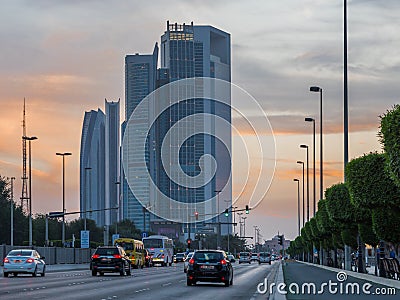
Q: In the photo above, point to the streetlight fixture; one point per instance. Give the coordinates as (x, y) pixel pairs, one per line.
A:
(63, 196)
(244, 226)
(302, 163)
(308, 189)
(29, 139)
(321, 172)
(12, 211)
(314, 202)
(298, 203)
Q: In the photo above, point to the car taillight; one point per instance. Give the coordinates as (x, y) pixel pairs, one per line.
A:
(6, 260)
(147, 257)
(162, 256)
(29, 260)
(191, 261)
(117, 256)
(94, 256)
(223, 262)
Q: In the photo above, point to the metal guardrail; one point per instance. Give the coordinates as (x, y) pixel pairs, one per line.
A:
(54, 255)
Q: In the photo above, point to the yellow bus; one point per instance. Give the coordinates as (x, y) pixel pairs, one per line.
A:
(134, 249)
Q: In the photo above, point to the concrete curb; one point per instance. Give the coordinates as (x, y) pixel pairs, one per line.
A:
(369, 277)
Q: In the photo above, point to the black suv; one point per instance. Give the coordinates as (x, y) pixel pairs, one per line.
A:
(210, 266)
(110, 259)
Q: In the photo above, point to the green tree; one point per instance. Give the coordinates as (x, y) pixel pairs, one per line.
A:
(390, 138)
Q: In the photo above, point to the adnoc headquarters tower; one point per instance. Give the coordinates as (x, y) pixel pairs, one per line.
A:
(187, 51)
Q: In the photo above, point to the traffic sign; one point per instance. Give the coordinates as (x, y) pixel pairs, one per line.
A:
(85, 239)
(144, 234)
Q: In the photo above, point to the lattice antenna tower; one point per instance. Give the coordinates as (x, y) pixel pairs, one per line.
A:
(24, 194)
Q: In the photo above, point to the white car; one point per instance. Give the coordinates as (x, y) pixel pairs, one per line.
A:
(186, 262)
(244, 257)
(24, 261)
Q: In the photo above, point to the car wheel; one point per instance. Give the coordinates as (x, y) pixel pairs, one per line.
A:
(189, 282)
(15, 274)
(231, 282)
(239, 262)
(122, 272)
(5, 274)
(101, 273)
(226, 282)
(129, 272)
(94, 273)
(184, 271)
(43, 272)
(34, 274)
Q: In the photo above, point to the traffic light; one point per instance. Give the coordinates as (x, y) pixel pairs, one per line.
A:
(196, 214)
(247, 209)
(280, 237)
(226, 212)
(189, 241)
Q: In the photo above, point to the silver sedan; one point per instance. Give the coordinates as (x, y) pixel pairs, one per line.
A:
(24, 261)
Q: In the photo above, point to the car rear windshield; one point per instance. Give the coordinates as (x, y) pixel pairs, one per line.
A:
(180, 255)
(126, 245)
(107, 251)
(211, 257)
(244, 254)
(265, 254)
(20, 253)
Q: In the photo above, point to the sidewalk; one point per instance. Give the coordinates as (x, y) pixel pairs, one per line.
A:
(307, 281)
(61, 268)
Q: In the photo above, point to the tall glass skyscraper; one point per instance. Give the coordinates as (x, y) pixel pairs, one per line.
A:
(187, 51)
(140, 81)
(112, 159)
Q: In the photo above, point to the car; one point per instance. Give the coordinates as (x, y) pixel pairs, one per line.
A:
(244, 257)
(148, 258)
(186, 262)
(109, 259)
(231, 258)
(254, 256)
(179, 257)
(209, 266)
(24, 261)
(264, 257)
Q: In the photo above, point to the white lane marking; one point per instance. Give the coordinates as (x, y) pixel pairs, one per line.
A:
(142, 290)
(166, 284)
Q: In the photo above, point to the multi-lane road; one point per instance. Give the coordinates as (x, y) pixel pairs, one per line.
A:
(148, 283)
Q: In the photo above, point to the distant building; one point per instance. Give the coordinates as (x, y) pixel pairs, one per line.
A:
(99, 164)
(273, 244)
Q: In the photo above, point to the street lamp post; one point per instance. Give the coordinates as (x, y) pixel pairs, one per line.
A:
(314, 202)
(219, 224)
(85, 198)
(32, 138)
(298, 204)
(240, 223)
(244, 225)
(63, 191)
(302, 163)
(118, 204)
(12, 211)
(308, 189)
(321, 172)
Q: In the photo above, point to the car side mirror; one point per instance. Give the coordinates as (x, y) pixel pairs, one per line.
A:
(42, 257)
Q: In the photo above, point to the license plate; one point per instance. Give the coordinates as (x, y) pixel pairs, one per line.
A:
(105, 259)
(207, 267)
(17, 261)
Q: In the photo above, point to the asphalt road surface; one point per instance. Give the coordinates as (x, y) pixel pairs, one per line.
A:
(148, 283)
